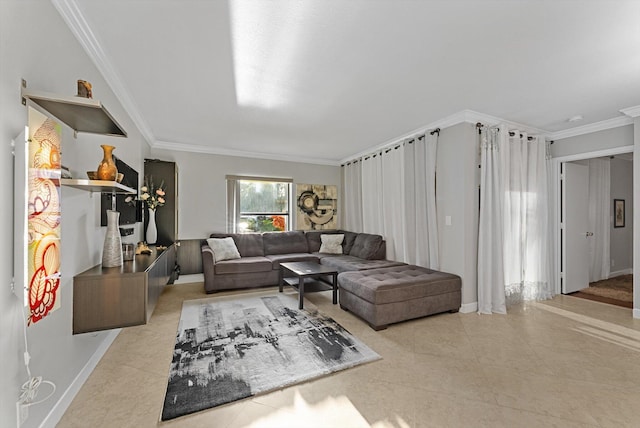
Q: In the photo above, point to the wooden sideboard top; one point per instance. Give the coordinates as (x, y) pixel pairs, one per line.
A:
(140, 264)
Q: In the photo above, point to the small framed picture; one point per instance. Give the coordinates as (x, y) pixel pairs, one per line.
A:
(618, 213)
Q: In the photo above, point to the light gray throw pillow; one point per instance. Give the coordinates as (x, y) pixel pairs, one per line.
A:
(331, 244)
(223, 249)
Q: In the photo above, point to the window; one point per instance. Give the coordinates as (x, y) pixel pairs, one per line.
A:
(258, 204)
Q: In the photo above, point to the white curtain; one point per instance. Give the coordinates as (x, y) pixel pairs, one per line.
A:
(352, 185)
(513, 220)
(372, 220)
(399, 200)
(526, 238)
(491, 290)
(394, 211)
(421, 229)
(599, 218)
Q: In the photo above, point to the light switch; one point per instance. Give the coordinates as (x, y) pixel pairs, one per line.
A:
(447, 220)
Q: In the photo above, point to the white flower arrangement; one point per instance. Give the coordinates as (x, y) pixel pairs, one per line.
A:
(151, 196)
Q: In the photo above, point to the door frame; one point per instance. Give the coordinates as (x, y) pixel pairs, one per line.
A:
(580, 266)
(556, 205)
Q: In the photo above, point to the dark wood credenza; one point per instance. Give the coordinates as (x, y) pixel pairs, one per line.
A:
(123, 296)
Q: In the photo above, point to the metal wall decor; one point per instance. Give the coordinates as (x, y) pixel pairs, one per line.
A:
(317, 207)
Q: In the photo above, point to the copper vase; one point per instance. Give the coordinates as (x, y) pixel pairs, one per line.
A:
(107, 169)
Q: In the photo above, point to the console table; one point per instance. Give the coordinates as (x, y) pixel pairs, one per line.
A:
(123, 296)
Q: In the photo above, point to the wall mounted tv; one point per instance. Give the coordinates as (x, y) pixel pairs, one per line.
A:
(130, 212)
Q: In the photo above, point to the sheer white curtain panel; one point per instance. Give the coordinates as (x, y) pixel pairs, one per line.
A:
(394, 211)
(372, 206)
(352, 185)
(399, 199)
(421, 228)
(599, 218)
(491, 290)
(513, 238)
(526, 225)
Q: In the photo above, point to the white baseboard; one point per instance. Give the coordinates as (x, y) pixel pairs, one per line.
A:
(636, 313)
(621, 272)
(56, 413)
(468, 308)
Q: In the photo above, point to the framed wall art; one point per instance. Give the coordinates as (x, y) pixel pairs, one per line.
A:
(316, 207)
(618, 213)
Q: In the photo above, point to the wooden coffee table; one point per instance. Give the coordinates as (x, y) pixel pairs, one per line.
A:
(309, 276)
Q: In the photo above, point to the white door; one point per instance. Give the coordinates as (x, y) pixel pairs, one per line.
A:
(575, 238)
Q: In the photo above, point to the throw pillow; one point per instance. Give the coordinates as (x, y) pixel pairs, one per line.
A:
(331, 244)
(223, 249)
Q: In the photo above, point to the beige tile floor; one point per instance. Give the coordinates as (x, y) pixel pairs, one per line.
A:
(567, 362)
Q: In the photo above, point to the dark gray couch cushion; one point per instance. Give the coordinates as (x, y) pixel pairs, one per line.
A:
(249, 244)
(284, 242)
(243, 265)
(349, 239)
(276, 259)
(344, 263)
(398, 284)
(366, 246)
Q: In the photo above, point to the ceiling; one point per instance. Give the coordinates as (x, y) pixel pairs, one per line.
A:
(324, 80)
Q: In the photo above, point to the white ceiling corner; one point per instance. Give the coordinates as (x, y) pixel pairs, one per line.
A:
(195, 148)
(78, 25)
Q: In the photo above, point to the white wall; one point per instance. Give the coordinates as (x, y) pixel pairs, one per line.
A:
(457, 196)
(621, 248)
(203, 192)
(601, 140)
(35, 44)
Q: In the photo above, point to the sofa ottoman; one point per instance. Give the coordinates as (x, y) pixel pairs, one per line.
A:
(394, 294)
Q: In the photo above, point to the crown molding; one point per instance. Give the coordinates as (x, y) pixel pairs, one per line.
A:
(631, 111)
(463, 116)
(447, 122)
(195, 148)
(472, 116)
(78, 25)
(616, 122)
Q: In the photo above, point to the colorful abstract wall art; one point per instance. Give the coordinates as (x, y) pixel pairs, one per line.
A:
(43, 216)
(317, 207)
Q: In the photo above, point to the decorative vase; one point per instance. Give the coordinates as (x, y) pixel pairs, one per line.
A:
(107, 169)
(112, 249)
(152, 230)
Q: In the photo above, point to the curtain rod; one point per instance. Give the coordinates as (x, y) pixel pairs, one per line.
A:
(392, 147)
(479, 126)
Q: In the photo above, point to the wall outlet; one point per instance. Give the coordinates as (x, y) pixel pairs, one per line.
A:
(613, 263)
(23, 412)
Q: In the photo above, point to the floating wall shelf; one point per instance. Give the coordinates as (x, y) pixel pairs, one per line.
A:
(98, 186)
(80, 114)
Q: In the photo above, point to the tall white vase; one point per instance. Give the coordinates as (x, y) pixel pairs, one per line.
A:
(112, 249)
(152, 230)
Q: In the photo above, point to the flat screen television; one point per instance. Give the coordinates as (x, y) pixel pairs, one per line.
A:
(130, 212)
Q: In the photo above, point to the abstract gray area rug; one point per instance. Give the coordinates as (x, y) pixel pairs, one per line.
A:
(232, 348)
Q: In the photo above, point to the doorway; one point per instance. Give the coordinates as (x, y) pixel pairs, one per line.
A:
(595, 234)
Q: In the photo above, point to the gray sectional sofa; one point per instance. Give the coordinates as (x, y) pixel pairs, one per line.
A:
(380, 291)
(262, 253)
